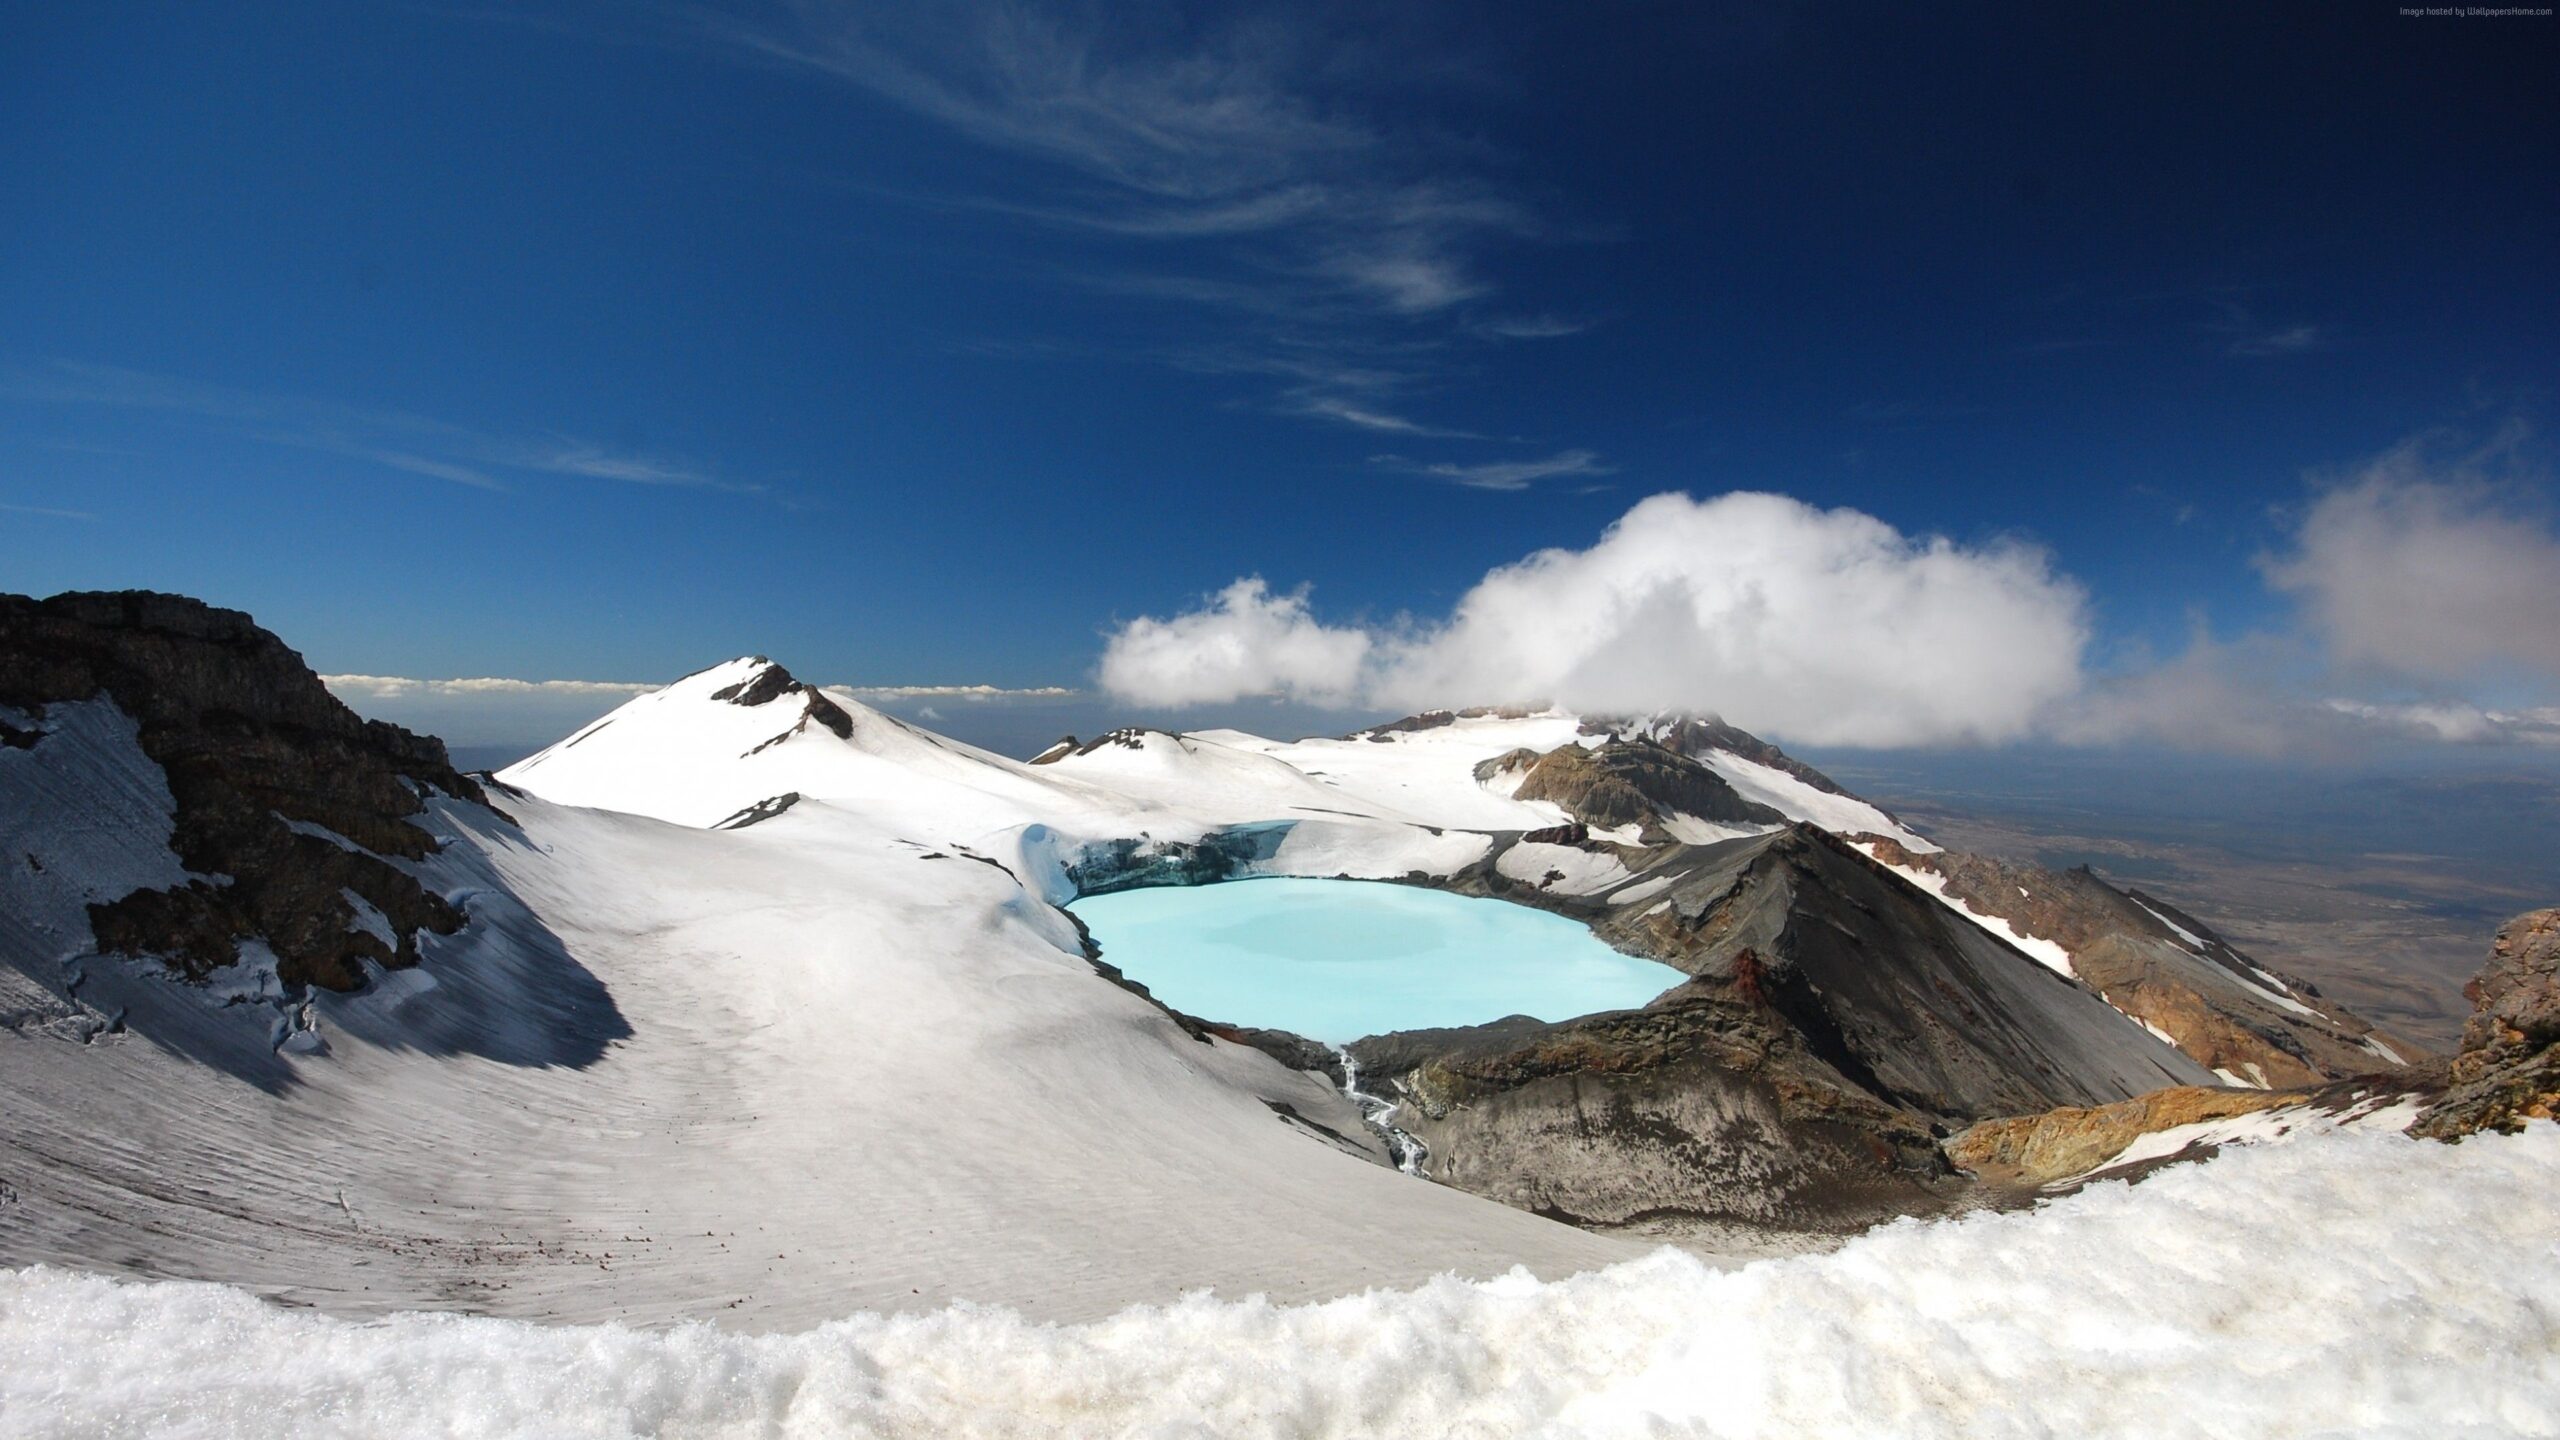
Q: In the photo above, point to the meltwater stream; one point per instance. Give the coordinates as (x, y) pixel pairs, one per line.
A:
(1335, 960)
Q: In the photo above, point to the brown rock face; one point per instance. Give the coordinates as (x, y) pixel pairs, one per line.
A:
(1837, 1020)
(2516, 997)
(772, 683)
(2168, 969)
(1437, 719)
(1695, 735)
(1696, 1108)
(252, 743)
(1629, 782)
(2509, 1069)
(2058, 1144)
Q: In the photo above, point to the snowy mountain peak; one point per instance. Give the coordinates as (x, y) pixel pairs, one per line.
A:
(756, 680)
(710, 749)
(763, 683)
(728, 672)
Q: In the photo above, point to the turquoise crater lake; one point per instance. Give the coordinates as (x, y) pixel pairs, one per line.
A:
(1334, 960)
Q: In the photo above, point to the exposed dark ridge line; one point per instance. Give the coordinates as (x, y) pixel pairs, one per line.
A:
(249, 740)
(760, 811)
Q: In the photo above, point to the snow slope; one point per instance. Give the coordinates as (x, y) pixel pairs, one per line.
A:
(847, 1071)
(102, 810)
(1840, 814)
(1429, 772)
(679, 754)
(2339, 1284)
(819, 1060)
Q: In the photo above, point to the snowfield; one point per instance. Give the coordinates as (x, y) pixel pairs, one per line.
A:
(853, 1071)
(710, 1061)
(2340, 1284)
(848, 1056)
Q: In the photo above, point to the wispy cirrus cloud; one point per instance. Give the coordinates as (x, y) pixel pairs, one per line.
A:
(1250, 160)
(1532, 327)
(48, 512)
(2282, 340)
(2232, 316)
(1364, 417)
(1502, 474)
(1204, 122)
(393, 439)
(397, 460)
(2249, 334)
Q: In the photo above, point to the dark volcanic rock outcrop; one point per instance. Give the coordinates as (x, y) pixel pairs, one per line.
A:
(1699, 1107)
(1909, 1001)
(1838, 1019)
(286, 801)
(1438, 719)
(770, 683)
(1627, 782)
(1128, 737)
(1695, 735)
(2157, 963)
(1289, 1048)
(1138, 862)
(2508, 1071)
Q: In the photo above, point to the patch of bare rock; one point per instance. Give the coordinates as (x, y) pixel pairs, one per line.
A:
(287, 803)
(2508, 1071)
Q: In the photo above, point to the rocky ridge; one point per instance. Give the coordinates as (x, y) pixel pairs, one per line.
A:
(2038, 1150)
(1837, 1021)
(1696, 735)
(2508, 1070)
(1839, 1018)
(771, 683)
(1701, 1107)
(289, 808)
(1621, 783)
(2168, 970)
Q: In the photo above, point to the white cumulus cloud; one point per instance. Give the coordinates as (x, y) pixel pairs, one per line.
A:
(1825, 626)
(2416, 568)
(1246, 641)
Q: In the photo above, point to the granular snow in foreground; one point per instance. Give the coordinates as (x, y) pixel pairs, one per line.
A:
(2343, 1284)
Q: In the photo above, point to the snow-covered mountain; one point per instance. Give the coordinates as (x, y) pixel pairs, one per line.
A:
(749, 1000)
(767, 1073)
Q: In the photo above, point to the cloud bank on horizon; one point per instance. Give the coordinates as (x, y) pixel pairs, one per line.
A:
(2416, 580)
(2424, 595)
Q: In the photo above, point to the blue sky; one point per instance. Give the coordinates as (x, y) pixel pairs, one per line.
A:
(935, 345)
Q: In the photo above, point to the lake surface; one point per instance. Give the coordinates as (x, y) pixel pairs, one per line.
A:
(1334, 960)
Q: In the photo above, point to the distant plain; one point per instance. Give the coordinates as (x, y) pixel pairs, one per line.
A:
(2381, 881)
